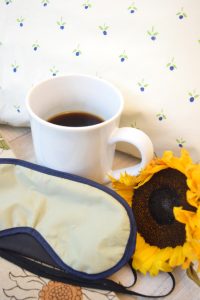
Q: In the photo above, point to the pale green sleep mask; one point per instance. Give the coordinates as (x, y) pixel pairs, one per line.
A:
(64, 220)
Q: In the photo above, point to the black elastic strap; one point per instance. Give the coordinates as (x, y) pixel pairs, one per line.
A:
(61, 276)
(134, 275)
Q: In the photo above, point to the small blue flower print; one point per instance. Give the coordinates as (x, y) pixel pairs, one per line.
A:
(152, 33)
(132, 8)
(181, 14)
(171, 65)
(123, 57)
(61, 23)
(45, 2)
(35, 46)
(142, 85)
(54, 71)
(14, 67)
(104, 29)
(87, 4)
(193, 96)
(180, 142)
(18, 108)
(8, 2)
(20, 21)
(161, 116)
(77, 51)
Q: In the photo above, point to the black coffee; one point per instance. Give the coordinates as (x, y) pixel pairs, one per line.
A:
(75, 119)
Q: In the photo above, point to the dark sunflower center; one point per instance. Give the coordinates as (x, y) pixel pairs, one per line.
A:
(161, 204)
(153, 205)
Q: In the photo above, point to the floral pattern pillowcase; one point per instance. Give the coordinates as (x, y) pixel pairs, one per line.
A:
(18, 284)
(148, 49)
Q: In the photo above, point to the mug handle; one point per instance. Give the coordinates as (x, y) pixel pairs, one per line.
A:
(140, 140)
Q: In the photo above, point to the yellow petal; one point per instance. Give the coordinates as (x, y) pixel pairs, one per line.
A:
(185, 157)
(160, 262)
(165, 267)
(140, 242)
(186, 264)
(193, 182)
(167, 156)
(177, 257)
(144, 257)
(188, 252)
(192, 198)
(181, 164)
(182, 215)
(123, 188)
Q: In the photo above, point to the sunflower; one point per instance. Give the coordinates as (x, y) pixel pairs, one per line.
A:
(165, 199)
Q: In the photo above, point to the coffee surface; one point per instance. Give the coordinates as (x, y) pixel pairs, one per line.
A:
(75, 119)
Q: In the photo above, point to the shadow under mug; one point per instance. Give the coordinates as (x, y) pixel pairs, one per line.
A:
(86, 151)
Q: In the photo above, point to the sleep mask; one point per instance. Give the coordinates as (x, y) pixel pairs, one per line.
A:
(64, 220)
(62, 226)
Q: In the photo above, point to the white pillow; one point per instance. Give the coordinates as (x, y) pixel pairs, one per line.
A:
(149, 49)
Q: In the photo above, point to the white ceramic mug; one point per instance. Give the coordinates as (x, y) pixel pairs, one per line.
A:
(86, 151)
